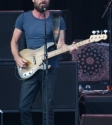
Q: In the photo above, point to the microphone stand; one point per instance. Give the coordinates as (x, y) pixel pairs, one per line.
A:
(110, 40)
(106, 9)
(45, 85)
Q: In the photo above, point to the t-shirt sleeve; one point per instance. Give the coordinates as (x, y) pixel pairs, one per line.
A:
(19, 22)
(62, 24)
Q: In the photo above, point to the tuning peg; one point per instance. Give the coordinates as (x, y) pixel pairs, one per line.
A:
(101, 31)
(93, 32)
(105, 31)
(98, 31)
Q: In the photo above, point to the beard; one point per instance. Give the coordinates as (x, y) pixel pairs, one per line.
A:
(39, 7)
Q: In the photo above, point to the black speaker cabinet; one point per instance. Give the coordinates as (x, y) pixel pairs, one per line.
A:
(9, 87)
(65, 94)
(66, 91)
(7, 21)
(96, 119)
(98, 103)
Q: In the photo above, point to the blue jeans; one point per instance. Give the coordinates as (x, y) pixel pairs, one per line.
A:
(29, 90)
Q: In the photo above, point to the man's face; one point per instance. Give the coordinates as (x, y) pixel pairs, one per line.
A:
(39, 4)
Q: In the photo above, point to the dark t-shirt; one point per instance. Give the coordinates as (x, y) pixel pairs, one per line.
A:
(34, 30)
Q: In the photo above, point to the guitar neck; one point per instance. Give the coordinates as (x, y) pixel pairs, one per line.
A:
(84, 42)
(65, 48)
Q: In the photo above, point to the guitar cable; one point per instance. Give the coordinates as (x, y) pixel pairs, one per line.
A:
(17, 76)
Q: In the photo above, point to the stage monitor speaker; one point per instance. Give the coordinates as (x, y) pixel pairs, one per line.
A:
(7, 21)
(65, 94)
(96, 119)
(98, 103)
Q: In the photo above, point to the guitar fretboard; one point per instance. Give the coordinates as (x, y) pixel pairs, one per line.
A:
(84, 42)
(65, 48)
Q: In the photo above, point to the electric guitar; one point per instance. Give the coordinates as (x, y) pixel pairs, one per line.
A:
(35, 57)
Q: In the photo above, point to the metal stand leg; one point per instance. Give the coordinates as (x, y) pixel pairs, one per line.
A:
(1, 117)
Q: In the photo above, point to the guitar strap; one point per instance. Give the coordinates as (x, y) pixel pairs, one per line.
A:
(56, 27)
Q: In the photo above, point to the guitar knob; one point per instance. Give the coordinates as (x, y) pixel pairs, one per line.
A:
(105, 31)
(93, 32)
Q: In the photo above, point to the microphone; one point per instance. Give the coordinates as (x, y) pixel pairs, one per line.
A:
(44, 8)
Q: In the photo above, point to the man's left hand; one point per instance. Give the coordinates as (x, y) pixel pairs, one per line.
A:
(72, 47)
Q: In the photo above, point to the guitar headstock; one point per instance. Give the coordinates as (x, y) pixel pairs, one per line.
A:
(97, 37)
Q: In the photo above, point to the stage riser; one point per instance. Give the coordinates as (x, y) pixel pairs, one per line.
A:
(60, 118)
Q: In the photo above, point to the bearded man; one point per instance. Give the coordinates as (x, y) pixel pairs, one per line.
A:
(32, 23)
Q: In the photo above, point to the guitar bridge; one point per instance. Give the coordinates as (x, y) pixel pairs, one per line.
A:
(34, 60)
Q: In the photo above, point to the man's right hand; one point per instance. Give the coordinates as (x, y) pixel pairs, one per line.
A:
(22, 63)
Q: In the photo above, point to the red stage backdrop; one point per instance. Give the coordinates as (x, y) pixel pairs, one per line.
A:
(93, 62)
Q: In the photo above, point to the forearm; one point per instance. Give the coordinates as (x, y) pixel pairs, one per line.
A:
(61, 41)
(14, 49)
(60, 45)
(14, 43)
(15, 52)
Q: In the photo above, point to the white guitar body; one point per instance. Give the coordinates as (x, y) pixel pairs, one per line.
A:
(34, 60)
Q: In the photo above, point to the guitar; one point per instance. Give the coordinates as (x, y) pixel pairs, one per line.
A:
(35, 57)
